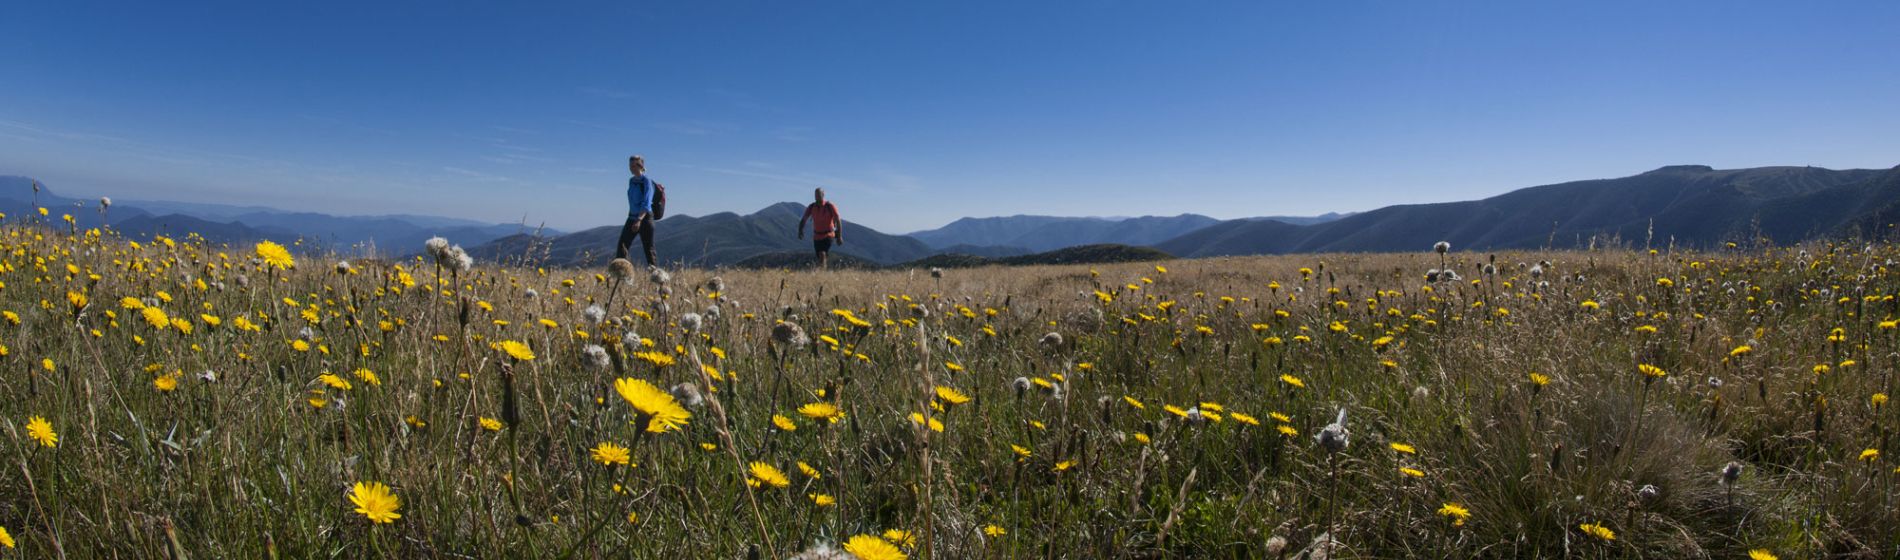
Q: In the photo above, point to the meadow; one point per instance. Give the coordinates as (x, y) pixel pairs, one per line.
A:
(170, 398)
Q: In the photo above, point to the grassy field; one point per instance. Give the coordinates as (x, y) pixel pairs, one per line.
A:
(212, 402)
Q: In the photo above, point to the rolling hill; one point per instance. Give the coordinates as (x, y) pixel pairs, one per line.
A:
(1688, 205)
(712, 240)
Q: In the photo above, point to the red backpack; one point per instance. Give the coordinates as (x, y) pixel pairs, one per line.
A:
(659, 201)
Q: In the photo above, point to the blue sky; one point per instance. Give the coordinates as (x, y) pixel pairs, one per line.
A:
(913, 114)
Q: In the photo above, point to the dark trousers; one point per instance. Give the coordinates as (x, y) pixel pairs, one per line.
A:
(642, 227)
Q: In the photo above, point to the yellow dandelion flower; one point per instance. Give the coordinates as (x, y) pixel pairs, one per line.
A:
(490, 424)
(516, 350)
(1651, 372)
(609, 454)
(275, 255)
(868, 547)
(41, 431)
(994, 531)
(783, 423)
(1870, 454)
(1455, 512)
(951, 395)
(1598, 531)
(1289, 379)
(663, 413)
(165, 383)
(1404, 448)
(767, 474)
(808, 471)
(822, 411)
(1411, 472)
(822, 500)
(375, 502)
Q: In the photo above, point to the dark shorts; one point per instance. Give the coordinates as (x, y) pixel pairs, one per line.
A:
(821, 245)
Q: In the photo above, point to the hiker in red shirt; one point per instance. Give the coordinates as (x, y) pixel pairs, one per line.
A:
(826, 227)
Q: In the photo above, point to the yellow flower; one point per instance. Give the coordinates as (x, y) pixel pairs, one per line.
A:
(1762, 554)
(166, 383)
(900, 537)
(6, 539)
(1740, 351)
(1288, 431)
(1598, 531)
(663, 413)
(994, 531)
(659, 359)
(610, 454)
(951, 395)
(48, 365)
(783, 423)
(490, 424)
(516, 350)
(1289, 379)
(1133, 402)
(919, 419)
(1870, 454)
(334, 381)
(375, 502)
(368, 377)
(1404, 448)
(41, 431)
(868, 547)
(275, 255)
(822, 411)
(823, 500)
(808, 471)
(1456, 513)
(763, 473)
(1411, 472)
(1650, 371)
(1539, 379)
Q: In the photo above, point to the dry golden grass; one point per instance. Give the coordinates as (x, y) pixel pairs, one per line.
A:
(1236, 363)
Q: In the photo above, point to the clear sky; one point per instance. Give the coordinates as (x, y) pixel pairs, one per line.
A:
(915, 113)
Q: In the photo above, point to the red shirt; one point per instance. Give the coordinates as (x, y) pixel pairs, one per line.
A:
(824, 220)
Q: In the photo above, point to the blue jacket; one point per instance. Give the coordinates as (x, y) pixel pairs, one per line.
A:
(639, 195)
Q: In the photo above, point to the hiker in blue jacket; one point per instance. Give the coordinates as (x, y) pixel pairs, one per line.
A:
(639, 211)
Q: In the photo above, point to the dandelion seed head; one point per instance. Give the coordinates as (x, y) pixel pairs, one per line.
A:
(716, 285)
(631, 340)
(620, 269)
(1052, 340)
(1441, 247)
(436, 247)
(1731, 473)
(594, 314)
(1648, 493)
(789, 334)
(1335, 437)
(596, 356)
(531, 293)
(691, 322)
(658, 275)
(687, 394)
(936, 272)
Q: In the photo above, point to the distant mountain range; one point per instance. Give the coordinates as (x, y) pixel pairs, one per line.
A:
(392, 235)
(1682, 205)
